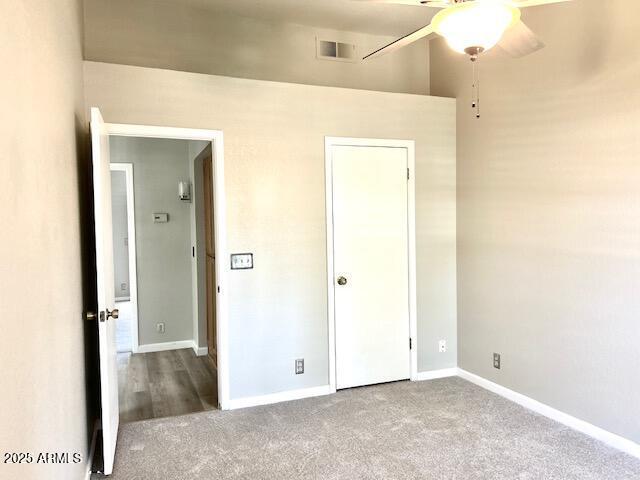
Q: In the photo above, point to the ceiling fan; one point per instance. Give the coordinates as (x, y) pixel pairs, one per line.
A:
(473, 27)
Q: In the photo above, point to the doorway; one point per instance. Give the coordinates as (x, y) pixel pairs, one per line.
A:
(371, 260)
(166, 371)
(170, 354)
(124, 256)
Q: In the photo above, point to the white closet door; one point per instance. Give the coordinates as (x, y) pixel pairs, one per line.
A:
(371, 264)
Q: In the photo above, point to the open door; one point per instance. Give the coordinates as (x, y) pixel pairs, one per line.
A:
(106, 297)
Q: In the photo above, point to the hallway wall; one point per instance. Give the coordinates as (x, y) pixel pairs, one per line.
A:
(163, 250)
(121, 285)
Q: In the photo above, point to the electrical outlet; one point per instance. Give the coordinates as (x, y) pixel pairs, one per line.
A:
(123, 286)
(160, 327)
(299, 366)
(496, 361)
(442, 346)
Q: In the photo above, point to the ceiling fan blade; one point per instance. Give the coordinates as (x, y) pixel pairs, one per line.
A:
(435, 3)
(401, 42)
(519, 41)
(417, 3)
(535, 3)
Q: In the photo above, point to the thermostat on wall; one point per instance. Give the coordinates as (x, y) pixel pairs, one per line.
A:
(160, 217)
(241, 261)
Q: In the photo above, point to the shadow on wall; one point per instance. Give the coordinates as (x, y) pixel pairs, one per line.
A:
(598, 22)
(89, 288)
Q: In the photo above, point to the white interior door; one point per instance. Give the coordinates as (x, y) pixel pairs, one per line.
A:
(106, 297)
(371, 264)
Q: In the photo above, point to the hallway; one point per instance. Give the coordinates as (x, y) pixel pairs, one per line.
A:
(164, 384)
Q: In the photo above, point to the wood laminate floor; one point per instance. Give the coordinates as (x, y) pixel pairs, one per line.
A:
(164, 384)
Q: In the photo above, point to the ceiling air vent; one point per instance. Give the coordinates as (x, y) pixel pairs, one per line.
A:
(338, 51)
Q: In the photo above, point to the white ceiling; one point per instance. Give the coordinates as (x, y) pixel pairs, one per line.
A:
(351, 15)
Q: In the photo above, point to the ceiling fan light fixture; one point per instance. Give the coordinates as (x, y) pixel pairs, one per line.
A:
(475, 26)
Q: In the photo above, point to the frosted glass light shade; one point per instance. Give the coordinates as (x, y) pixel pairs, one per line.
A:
(479, 23)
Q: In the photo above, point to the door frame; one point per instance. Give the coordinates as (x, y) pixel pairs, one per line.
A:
(409, 145)
(216, 138)
(127, 168)
(206, 205)
(195, 265)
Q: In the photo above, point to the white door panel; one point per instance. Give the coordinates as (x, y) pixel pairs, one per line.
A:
(105, 286)
(370, 226)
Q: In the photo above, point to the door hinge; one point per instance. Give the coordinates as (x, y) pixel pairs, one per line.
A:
(410, 344)
(407, 174)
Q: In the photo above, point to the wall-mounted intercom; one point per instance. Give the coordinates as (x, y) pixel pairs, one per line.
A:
(184, 191)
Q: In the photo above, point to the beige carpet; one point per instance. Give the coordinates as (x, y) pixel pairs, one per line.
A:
(440, 429)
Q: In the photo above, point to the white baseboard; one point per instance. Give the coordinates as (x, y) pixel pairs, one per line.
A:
(92, 449)
(277, 397)
(161, 347)
(199, 351)
(611, 439)
(433, 374)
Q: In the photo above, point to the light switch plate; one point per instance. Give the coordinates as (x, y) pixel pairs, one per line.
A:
(241, 261)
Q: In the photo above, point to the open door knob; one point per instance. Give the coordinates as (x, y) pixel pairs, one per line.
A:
(90, 316)
(342, 281)
(112, 313)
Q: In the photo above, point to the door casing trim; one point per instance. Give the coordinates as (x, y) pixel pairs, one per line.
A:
(216, 138)
(409, 145)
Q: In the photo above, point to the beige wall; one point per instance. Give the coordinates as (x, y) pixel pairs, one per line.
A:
(172, 35)
(42, 380)
(274, 175)
(548, 213)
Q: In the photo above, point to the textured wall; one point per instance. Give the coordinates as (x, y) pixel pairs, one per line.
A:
(163, 250)
(548, 213)
(42, 352)
(274, 173)
(172, 35)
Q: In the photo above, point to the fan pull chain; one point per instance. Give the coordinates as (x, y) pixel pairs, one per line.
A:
(475, 86)
(478, 91)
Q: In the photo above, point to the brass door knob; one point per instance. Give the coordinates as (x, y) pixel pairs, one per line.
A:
(112, 313)
(90, 316)
(342, 280)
